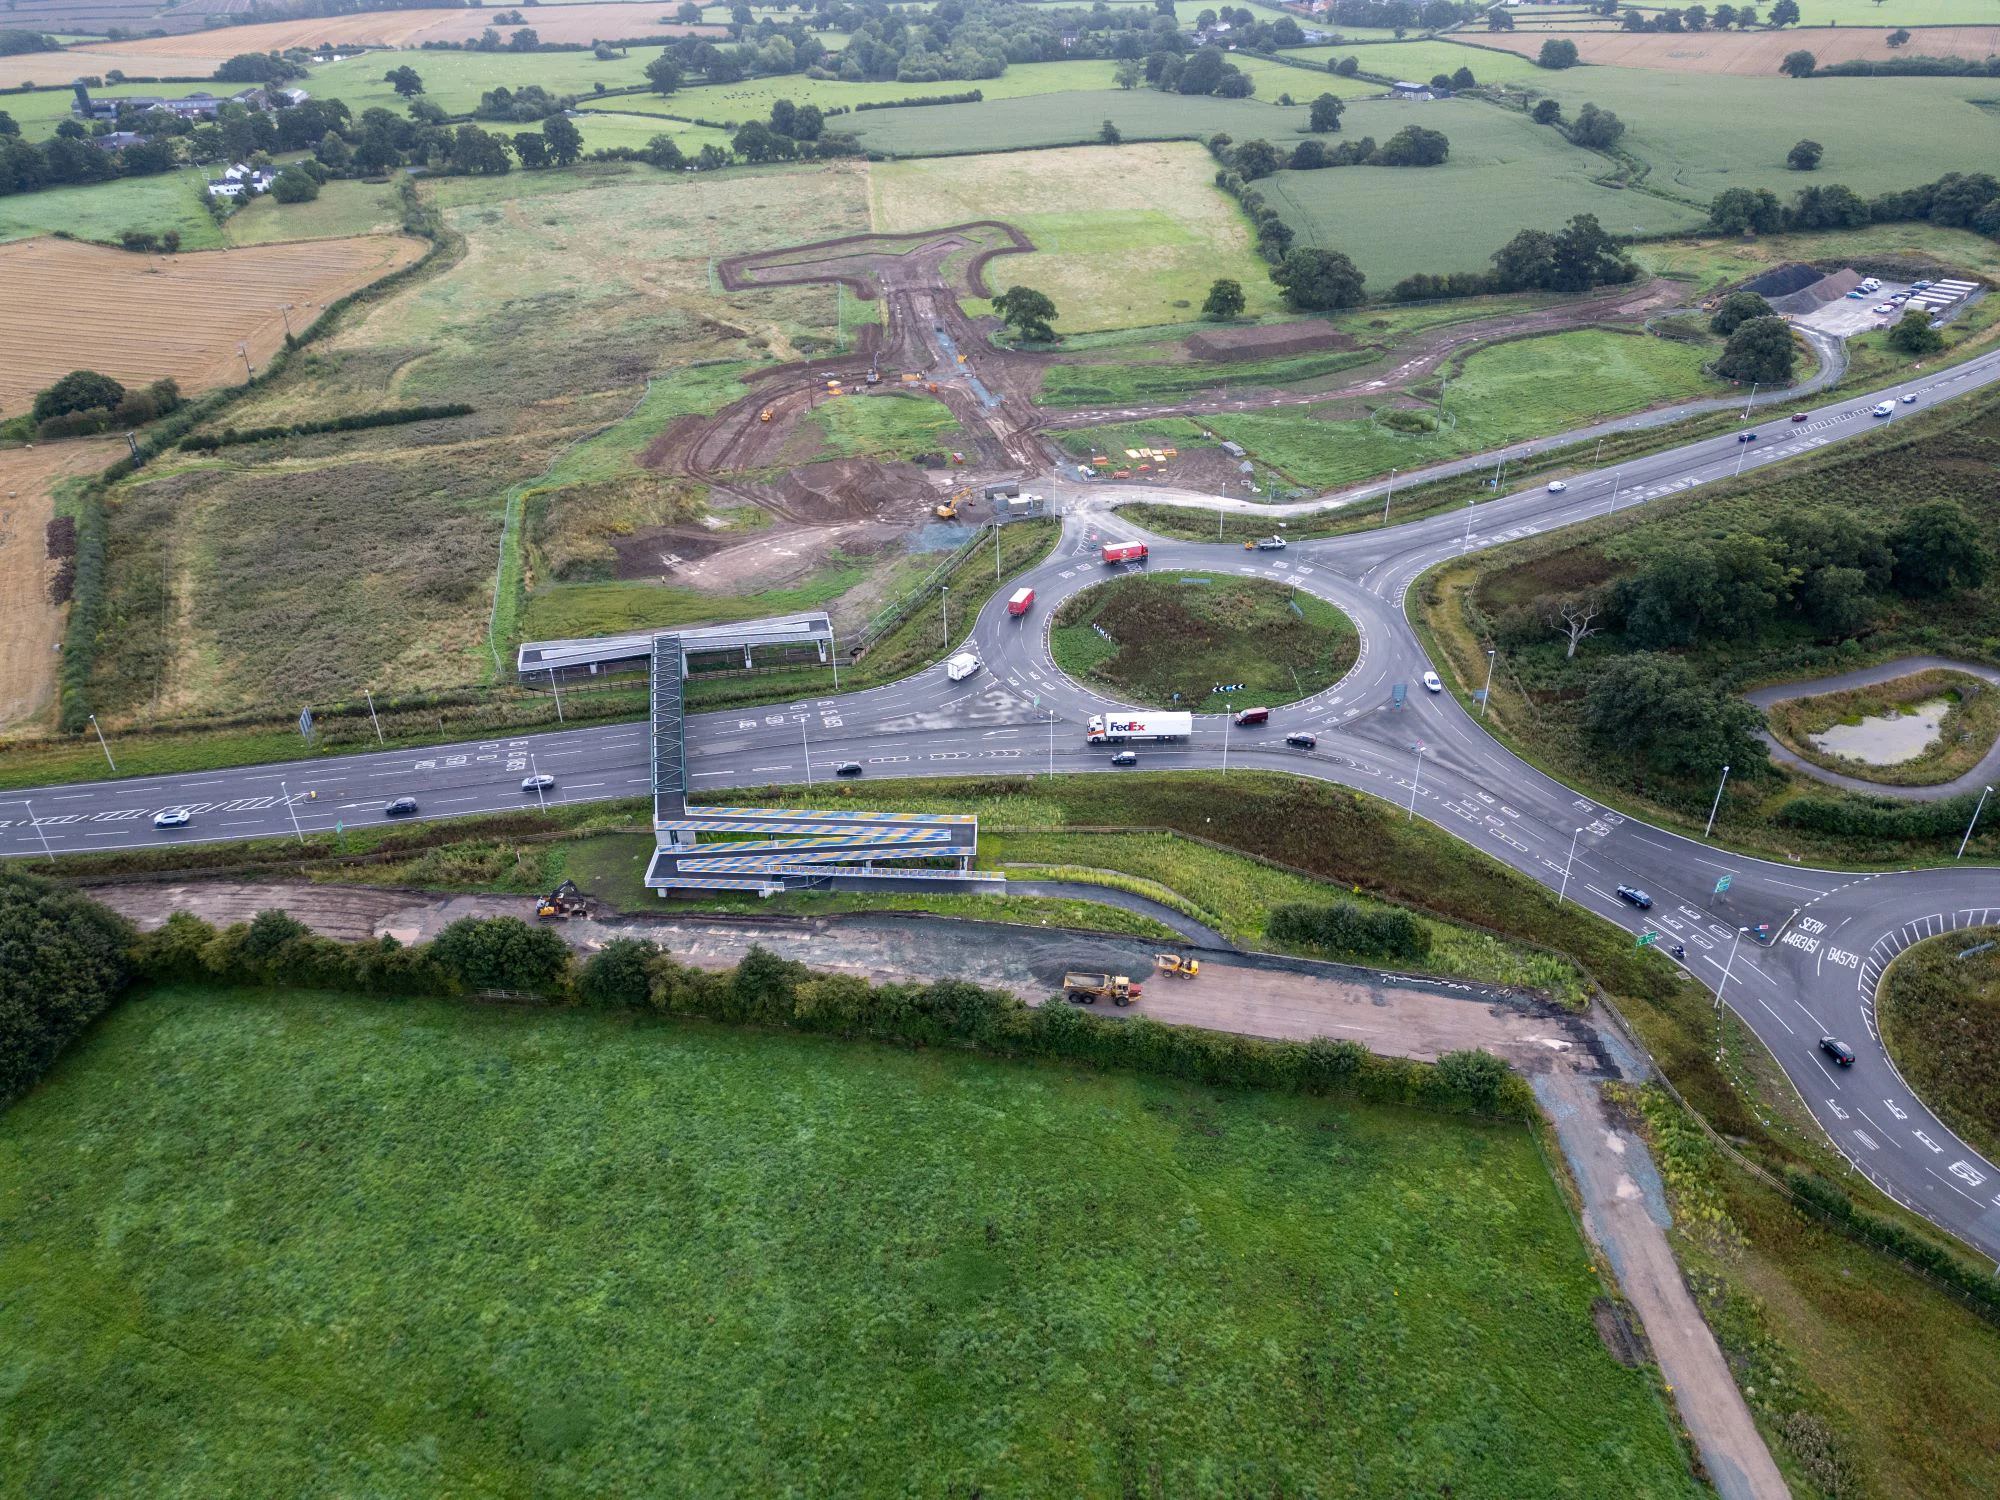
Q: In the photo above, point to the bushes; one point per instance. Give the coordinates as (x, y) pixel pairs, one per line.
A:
(229, 437)
(1877, 818)
(62, 963)
(86, 615)
(1345, 928)
(1925, 1254)
(766, 990)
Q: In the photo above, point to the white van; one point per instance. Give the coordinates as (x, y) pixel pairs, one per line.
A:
(1886, 409)
(1872, 284)
(961, 666)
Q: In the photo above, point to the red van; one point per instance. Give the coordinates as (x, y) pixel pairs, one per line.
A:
(1245, 717)
(1020, 603)
(1124, 552)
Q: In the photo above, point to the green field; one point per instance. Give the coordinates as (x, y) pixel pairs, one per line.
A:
(101, 211)
(1421, 61)
(603, 129)
(1498, 394)
(455, 80)
(342, 208)
(889, 425)
(298, 1243)
(1705, 132)
(1940, 1017)
(1505, 174)
(1166, 639)
(1070, 118)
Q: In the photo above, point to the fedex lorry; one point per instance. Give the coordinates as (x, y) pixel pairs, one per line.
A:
(1122, 728)
(1124, 552)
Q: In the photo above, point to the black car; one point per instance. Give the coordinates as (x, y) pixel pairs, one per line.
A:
(402, 807)
(848, 768)
(1839, 1051)
(1125, 758)
(1302, 741)
(1631, 895)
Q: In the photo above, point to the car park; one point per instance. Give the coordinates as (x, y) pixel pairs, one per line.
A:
(1433, 683)
(1556, 486)
(848, 768)
(173, 817)
(1631, 895)
(1302, 741)
(1857, 295)
(1882, 307)
(1125, 758)
(402, 807)
(1839, 1051)
(541, 781)
(1801, 416)
(1746, 437)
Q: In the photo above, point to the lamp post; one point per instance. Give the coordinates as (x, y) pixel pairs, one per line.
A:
(1728, 968)
(1415, 782)
(805, 743)
(1713, 807)
(1616, 475)
(944, 606)
(1564, 892)
(1465, 543)
(1972, 825)
(371, 716)
(1228, 718)
(36, 824)
(1486, 693)
(1748, 399)
(556, 688)
(293, 811)
(100, 742)
(535, 775)
(1388, 497)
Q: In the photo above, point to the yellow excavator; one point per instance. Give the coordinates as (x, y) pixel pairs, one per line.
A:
(563, 902)
(949, 510)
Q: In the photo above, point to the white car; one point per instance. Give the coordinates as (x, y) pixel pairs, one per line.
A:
(1882, 307)
(1432, 683)
(1909, 398)
(173, 817)
(961, 666)
(1556, 486)
(541, 781)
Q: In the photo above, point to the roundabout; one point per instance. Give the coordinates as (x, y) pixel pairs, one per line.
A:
(1202, 641)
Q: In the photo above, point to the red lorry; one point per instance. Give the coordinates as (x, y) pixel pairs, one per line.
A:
(1021, 602)
(1124, 552)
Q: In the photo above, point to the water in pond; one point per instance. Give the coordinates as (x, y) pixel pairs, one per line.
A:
(1889, 739)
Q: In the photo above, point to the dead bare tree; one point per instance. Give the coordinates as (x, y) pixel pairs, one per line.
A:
(1570, 617)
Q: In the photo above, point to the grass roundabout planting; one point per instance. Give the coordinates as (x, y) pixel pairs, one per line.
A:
(1940, 1016)
(1172, 639)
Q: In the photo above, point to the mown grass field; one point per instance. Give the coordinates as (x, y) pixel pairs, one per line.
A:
(1125, 236)
(1505, 174)
(103, 211)
(1499, 394)
(1940, 1018)
(507, 1249)
(341, 209)
(1167, 639)
(890, 425)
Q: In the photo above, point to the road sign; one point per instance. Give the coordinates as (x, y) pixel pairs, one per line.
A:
(1722, 885)
(306, 723)
(1647, 938)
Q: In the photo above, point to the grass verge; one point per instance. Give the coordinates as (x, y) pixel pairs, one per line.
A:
(1940, 1019)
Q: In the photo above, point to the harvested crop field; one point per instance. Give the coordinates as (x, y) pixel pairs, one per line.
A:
(138, 318)
(30, 624)
(1757, 53)
(1272, 341)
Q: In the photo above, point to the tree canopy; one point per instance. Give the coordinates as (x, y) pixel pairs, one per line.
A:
(80, 390)
(1029, 313)
(1225, 299)
(62, 963)
(1760, 350)
(1735, 310)
(1656, 707)
(1318, 280)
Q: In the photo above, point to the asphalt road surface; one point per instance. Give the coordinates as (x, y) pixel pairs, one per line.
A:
(1831, 933)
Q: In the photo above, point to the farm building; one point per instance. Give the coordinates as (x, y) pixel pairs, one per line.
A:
(240, 181)
(1410, 91)
(200, 106)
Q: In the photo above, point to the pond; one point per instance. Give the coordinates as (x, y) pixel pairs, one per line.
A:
(1887, 739)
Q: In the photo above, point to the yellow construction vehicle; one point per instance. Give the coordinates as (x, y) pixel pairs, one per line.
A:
(764, 415)
(1177, 966)
(563, 902)
(949, 510)
(1088, 989)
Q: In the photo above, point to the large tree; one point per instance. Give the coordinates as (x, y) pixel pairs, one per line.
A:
(565, 140)
(80, 390)
(62, 963)
(1656, 707)
(1939, 548)
(1913, 333)
(1225, 300)
(1596, 129)
(1759, 350)
(1800, 64)
(1557, 52)
(1737, 309)
(405, 81)
(1805, 156)
(1324, 115)
(1318, 280)
(1413, 146)
(1029, 313)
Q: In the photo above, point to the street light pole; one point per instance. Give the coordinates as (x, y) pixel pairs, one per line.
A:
(556, 687)
(944, 605)
(100, 742)
(1388, 497)
(1749, 398)
(1713, 807)
(833, 651)
(535, 774)
(1728, 968)
(1415, 782)
(293, 811)
(1228, 718)
(1465, 543)
(36, 824)
(805, 742)
(1486, 693)
(1564, 892)
(371, 716)
(1616, 475)
(1972, 825)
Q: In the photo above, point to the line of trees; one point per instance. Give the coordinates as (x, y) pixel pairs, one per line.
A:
(1576, 258)
(1957, 200)
(85, 401)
